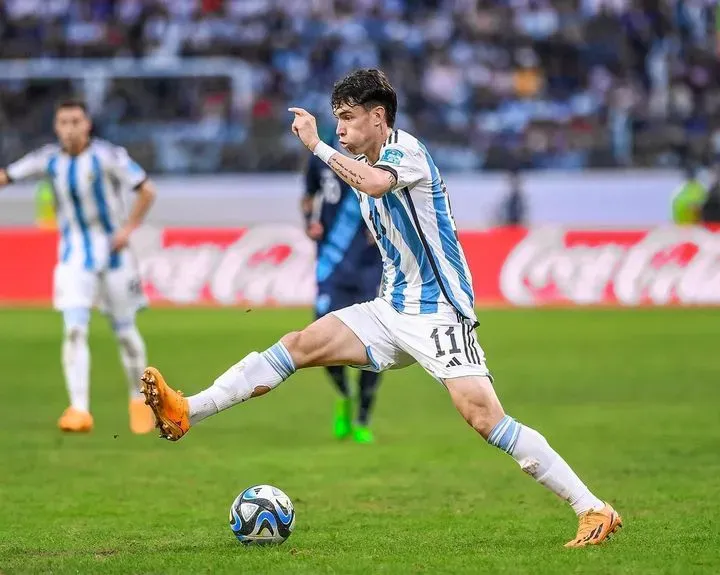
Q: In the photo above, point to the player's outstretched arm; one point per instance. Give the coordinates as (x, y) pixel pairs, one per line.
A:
(364, 178)
(4, 179)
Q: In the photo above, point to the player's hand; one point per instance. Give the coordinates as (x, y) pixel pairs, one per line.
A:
(305, 128)
(315, 231)
(121, 239)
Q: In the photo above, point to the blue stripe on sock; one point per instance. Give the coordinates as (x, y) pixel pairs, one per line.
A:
(286, 355)
(498, 430)
(505, 434)
(514, 439)
(274, 364)
(280, 360)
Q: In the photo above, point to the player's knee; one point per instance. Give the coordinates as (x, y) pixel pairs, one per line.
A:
(75, 323)
(131, 343)
(299, 346)
(75, 334)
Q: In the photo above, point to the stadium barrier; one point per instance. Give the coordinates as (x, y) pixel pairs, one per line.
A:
(274, 265)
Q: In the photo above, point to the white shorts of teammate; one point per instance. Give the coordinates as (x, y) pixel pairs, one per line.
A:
(111, 283)
(443, 343)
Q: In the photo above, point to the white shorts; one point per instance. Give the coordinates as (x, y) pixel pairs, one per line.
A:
(117, 292)
(442, 343)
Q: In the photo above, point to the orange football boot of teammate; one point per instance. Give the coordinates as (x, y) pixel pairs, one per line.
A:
(75, 420)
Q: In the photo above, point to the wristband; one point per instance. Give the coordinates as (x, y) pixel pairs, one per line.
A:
(324, 152)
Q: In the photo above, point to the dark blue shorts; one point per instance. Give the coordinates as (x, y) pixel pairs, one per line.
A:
(331, 297)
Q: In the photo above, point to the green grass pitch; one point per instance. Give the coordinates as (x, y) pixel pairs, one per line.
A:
(629, 398)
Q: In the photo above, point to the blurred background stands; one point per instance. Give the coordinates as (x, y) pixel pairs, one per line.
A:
(488, 84)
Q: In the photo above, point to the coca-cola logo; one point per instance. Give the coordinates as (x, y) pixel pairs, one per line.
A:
(666, 265)
(273, 264)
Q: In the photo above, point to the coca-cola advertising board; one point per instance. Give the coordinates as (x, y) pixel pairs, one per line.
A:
(274, 265)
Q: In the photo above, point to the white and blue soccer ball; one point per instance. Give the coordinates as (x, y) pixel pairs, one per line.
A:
(262, 514)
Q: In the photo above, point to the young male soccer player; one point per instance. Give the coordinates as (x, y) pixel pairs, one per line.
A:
(425, 313)
(348, 271)
(94, 260)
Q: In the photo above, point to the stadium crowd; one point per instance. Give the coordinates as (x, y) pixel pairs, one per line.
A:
(491, 84)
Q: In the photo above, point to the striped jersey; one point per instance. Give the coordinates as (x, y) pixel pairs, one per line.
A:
(88, 197)
(424, 267)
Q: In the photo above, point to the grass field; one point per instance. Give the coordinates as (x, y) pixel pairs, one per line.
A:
(630, 398)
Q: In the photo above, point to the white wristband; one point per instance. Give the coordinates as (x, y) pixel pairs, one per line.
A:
(324, 152)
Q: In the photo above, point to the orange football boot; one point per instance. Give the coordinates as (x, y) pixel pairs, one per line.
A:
(596, 527)
(142, 419)
(169, 406)
(75, 420)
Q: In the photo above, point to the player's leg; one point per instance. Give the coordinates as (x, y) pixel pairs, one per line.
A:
(122, 296)
(475, 399)
(326, 341)
(351, 336)
(330, 299)
(73, 292)
(368, 383)
(447, 349)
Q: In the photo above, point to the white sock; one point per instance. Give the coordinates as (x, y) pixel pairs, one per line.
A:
(132, 355)
(538, 459)
(76, 367)
(267, 369)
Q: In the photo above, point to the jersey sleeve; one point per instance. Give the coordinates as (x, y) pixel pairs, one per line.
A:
(408, 166)
(33, 165)
(126, 170)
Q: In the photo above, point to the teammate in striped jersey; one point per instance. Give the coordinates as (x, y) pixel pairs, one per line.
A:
(425, 313)
(95, 265)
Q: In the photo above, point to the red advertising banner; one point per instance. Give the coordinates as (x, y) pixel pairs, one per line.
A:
(274, 265)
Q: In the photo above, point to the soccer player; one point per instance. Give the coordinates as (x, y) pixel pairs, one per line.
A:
(95, 264)
(425, 313)
(348, 271)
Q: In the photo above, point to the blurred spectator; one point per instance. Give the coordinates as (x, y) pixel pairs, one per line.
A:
(514, 209)
(573, 83)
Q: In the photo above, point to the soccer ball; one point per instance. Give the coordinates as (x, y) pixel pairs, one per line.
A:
(262, 514)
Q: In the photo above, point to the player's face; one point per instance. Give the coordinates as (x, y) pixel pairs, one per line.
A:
(356, 128)
(72, 127)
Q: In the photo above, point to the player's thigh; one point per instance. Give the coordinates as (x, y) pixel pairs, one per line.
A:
(354, 335)
(373, 322)
(74, 287)
(443, 344)
(326, 341)
(121, 293)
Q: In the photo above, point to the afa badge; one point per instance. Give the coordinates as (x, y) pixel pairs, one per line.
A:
(392, 156)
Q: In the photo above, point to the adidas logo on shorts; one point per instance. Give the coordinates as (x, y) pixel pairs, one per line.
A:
(453, 362)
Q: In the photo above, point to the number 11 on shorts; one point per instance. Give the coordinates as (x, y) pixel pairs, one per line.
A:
(450, 333)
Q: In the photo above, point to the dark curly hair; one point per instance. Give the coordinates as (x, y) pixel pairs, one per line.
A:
(367, 88)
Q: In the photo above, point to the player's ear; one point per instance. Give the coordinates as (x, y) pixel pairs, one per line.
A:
(378, 116)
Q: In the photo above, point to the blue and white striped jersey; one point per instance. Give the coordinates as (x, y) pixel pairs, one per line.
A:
(88, 197)
(424, 267)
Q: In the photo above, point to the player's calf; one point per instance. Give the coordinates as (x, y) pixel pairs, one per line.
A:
(475, 399)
